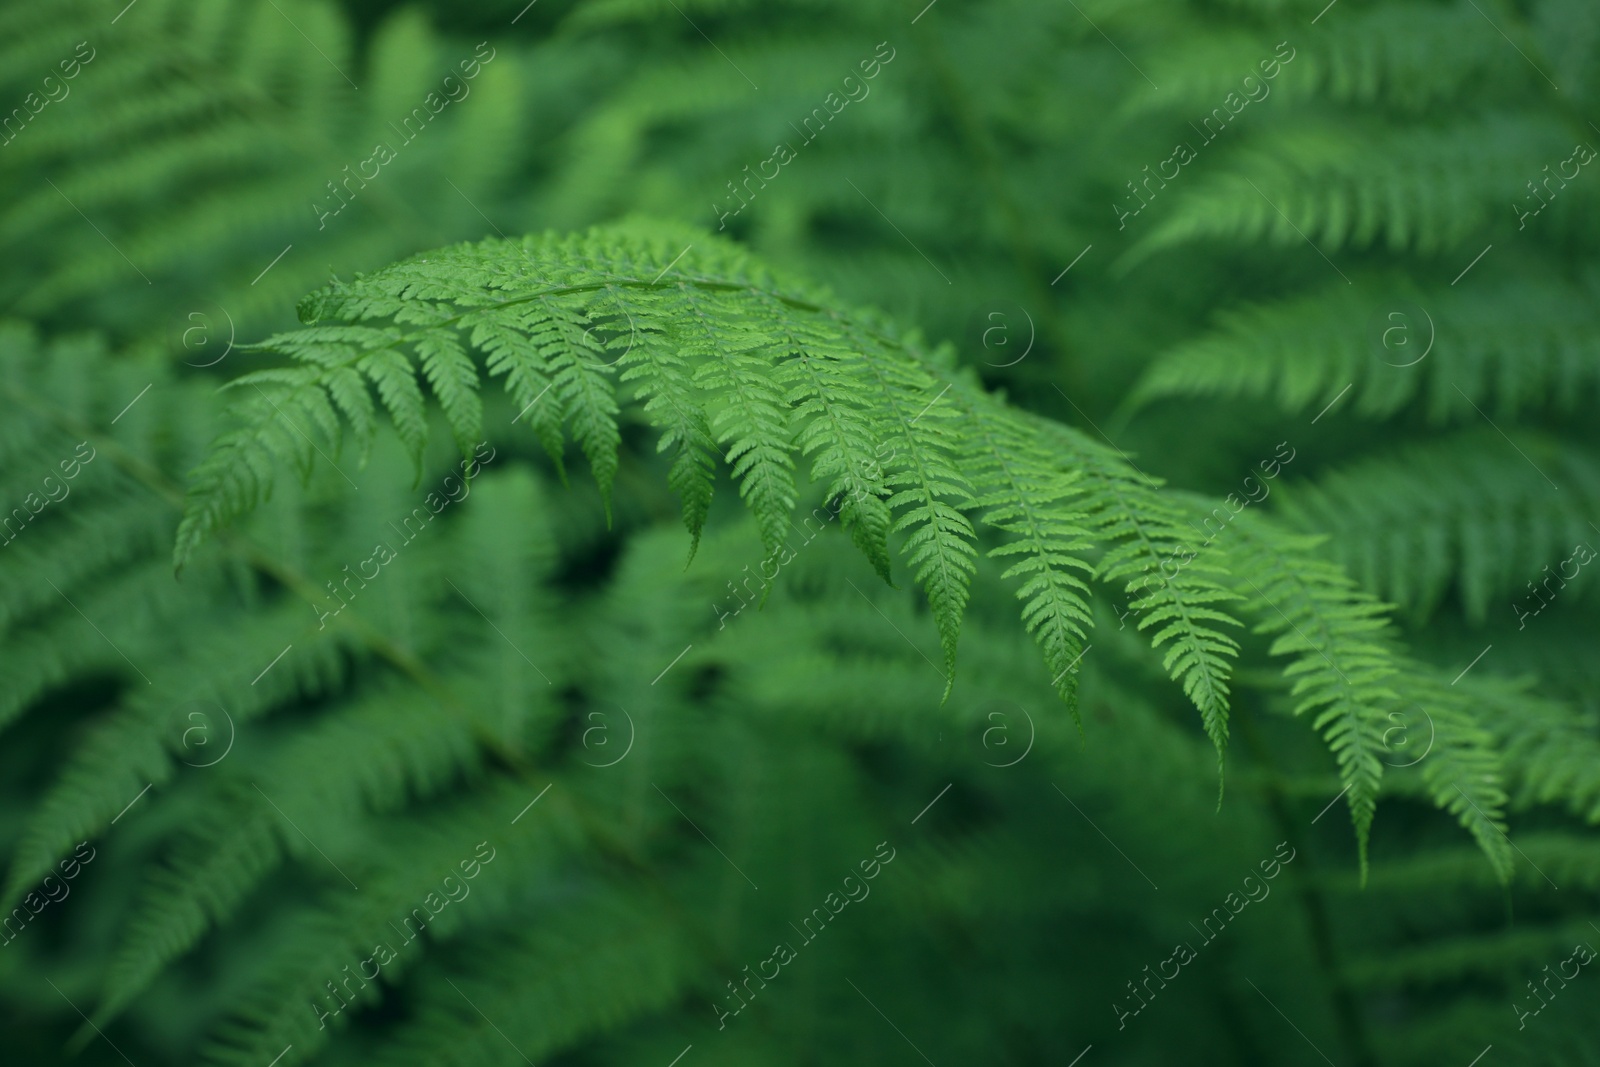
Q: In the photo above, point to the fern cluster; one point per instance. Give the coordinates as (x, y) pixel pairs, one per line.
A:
(400, 638)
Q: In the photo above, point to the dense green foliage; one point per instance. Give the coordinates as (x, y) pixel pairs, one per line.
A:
(348, 723)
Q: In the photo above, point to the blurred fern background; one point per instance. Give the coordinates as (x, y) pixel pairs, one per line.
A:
(1146, 438)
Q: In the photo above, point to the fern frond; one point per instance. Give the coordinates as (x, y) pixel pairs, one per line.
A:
(206, 144)
(1461, 765)
(1040, 509)
(838, 431)
(1488, 955)
(137, 746)
(925, 482)
(1507, 346)
(297, 999)
(1355, 187)
(1405, 56)
(1151, 537)
(572, 957)
(1343, 667)
(1551, 749)
(377, 756)
(1463, 511)
(1409, 56)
